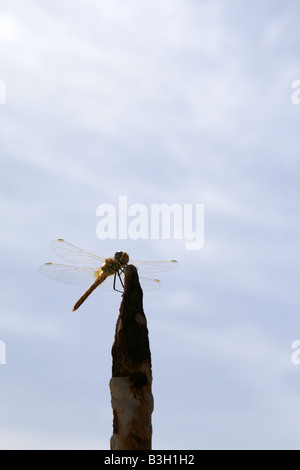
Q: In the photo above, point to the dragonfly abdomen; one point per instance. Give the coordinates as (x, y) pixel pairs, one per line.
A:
(101, 278)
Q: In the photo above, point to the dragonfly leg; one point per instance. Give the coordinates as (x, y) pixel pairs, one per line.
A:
(114, 286)
(122, 284)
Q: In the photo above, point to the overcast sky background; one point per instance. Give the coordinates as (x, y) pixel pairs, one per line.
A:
(174, 101)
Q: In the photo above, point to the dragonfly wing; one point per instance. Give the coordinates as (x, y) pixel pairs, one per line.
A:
(109, 283)
(74, 254)
(69, 274)
(147, 267)
(149, 284)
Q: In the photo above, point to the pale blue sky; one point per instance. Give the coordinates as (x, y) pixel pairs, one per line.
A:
(174, 101)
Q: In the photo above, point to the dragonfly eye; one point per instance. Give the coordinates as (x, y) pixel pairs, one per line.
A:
(118, 255)
(124, 258)
(121, 257)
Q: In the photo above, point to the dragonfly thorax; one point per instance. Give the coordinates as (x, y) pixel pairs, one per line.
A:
(121, 257)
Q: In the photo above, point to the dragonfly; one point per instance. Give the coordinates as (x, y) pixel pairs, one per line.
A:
(97, 270)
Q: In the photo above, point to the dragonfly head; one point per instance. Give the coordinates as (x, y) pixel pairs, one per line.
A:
(121, 257)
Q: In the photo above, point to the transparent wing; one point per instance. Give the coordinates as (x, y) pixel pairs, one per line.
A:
(74, 254)
(147, 267)
(69, 274)
(147, 284)
(87, 276)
